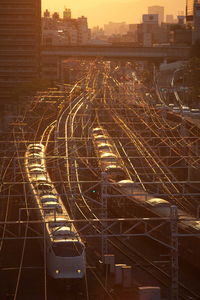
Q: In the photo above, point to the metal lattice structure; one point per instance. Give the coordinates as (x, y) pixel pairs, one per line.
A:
(153, 151)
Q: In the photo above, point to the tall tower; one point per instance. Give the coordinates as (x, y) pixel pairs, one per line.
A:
(67, 14)
(189, 10)
(158, 10)
(196, 32)
(20, 30)
(193, 18)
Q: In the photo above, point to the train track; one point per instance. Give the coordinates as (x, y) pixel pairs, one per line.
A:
(157, 273)
(69, 121)
(69, 131)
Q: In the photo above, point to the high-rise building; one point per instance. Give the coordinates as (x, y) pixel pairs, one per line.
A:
(169, 19)
(149, 25)
(46, 14)
(115, 28)
(150, 33)
(62, 32)
(193, 18)
(181, 20)
(150, 19)
(196, 31)
(19, 44)
(67, 14)
(55, 16)
(189, 10)
(83, 32)
(159, 10)
(192, 10)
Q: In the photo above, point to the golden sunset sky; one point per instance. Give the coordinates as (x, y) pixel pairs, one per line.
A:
(100, 12)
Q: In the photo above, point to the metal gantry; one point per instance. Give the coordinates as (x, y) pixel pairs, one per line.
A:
(174, 254)
(114, 227)
(126, 227)
(104, 212)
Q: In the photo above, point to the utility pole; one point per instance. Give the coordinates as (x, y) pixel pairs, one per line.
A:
(104, 213)
(174, 253)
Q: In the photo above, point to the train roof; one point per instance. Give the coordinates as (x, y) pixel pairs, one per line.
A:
(101, 137)
(113, 168)
(126, 182)
(50, 204)
(108, 155)
(62, 230)
(57, 220)
(35, 165)
(34, 155)
(97, 129)
(35, 146)
(104, 145)
(52, 209)
(193, 224)
(158, 202)
(37, 170)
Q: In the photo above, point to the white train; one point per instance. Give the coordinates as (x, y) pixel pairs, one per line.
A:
(64, 248)
(107, 154)
(134, 191)
(110, 162)
(160, 207)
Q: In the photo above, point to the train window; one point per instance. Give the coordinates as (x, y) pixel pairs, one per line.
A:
(35, 161)
(68, 249)
(44, 186)
(35, 150)
(49, 198)
(36, 147)
(37, 170)
(34, 166)
(97, 130)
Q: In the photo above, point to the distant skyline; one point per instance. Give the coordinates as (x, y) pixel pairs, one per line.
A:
(100, 12)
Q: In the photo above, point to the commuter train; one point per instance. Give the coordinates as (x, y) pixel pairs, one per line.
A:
(65, 251)
(121, 181)
(108, 157)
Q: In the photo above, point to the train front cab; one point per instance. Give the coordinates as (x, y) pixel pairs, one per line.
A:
(66, 260)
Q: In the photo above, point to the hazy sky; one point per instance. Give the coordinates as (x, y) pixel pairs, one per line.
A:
(100, 12)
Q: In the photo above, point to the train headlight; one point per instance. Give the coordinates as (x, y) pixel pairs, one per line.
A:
(57, 271)
(78, 271)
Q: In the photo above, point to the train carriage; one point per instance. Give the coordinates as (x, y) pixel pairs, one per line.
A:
(146, 204)
(65, 251)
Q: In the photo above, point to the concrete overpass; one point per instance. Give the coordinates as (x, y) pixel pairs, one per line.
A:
(119, 52)
(52, 57)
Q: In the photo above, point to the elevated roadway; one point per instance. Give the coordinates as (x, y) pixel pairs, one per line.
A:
(119, 52)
